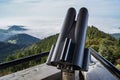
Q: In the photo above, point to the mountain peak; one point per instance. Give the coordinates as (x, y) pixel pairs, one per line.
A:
(16, 28)
(116, 35)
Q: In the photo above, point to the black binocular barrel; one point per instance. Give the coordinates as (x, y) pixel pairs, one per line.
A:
(68, 23)
(80, 36)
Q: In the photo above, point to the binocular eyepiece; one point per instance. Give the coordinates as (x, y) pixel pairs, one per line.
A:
(69, 51)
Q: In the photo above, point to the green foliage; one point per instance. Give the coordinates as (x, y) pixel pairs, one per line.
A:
(41, 46)
(7, 49)
(103, 43)
(118, 66)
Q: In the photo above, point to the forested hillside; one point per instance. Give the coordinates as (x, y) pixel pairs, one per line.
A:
(14, 43)
(103, 43)
(7, 49)
(22, 39)
(41, 46)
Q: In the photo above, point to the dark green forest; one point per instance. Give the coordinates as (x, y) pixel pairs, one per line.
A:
(104, 43)
(7, 49)
(14, 43)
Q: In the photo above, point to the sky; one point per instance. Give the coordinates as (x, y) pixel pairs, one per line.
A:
(45, 17)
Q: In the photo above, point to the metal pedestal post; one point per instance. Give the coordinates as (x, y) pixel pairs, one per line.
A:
(68, 75)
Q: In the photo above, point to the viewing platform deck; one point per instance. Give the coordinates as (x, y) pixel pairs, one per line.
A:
(44, 72)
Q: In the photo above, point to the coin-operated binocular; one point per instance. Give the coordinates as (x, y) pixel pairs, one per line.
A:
(69, 53)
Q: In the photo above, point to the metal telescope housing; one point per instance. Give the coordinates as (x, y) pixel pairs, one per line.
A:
(69, 51)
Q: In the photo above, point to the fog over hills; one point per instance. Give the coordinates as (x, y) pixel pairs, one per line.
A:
(38, 32)
(116, 35)
(12, 30)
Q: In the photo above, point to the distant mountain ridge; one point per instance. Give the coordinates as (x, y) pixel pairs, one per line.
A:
(22, 39)
(13, 39)
(14, 43)
(12, 30)
(116, 35)
(16, 28)
(4, 36)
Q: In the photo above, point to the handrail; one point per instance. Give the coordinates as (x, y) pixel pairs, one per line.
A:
(109, 66)
(22, 60)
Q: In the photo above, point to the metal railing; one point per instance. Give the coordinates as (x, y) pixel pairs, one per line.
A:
(108, 65)
(22, 60)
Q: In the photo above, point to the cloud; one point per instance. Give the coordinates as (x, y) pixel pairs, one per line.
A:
(118, 27)
(4, 1)
(107, 25)
(20, 1)
(49, 14)
(38, 27)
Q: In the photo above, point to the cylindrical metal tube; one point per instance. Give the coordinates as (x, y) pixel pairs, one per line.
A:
(48, 62)
(80, 36)
(68, 23)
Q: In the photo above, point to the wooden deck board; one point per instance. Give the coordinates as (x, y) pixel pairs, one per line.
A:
(34, 73)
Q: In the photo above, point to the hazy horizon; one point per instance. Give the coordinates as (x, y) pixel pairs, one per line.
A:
(45, 17)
